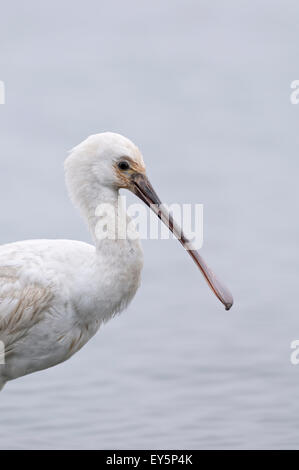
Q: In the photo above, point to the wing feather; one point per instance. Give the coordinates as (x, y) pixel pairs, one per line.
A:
(21, 305)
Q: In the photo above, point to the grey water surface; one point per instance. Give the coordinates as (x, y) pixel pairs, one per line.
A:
(203, 87)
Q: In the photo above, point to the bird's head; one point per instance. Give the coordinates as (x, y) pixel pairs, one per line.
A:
(107, 162)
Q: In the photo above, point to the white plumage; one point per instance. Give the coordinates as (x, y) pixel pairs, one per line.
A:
(54, 294)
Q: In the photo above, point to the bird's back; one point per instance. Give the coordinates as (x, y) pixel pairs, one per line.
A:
(54, 294)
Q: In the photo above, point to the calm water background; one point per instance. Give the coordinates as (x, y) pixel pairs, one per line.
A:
(203, 87)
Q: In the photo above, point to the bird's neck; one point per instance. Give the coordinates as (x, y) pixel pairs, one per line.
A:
(101, 213)
(105, 215)
(98, 203)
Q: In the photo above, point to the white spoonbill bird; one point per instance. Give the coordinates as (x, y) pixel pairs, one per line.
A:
(54, 294)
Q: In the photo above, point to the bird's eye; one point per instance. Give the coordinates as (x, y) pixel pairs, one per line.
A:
(123, 165)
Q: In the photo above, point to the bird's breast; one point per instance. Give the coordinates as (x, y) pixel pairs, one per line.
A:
(113, 279)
